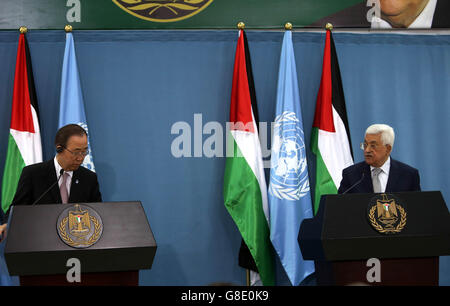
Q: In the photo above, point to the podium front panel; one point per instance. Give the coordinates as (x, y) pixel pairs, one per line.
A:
(33, 246)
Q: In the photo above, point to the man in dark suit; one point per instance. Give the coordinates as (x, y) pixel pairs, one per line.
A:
(379, 172)
(75, 183)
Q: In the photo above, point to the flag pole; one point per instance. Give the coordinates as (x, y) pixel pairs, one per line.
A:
(241, 26)
(329, 26)
(68, 28)
(23, 30)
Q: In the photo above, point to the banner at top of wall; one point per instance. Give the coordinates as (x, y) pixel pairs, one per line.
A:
(223, 14)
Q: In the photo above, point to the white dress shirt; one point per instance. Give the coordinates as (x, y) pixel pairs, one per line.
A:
(69, 178)
(384, 174)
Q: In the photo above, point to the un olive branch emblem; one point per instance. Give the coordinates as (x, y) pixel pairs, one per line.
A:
(385, 230)
(289, 193)
(162, 11)
(288, 174)
(94, 237)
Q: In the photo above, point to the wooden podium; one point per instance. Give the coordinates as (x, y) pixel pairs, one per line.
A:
(36, 253)
(341, 238)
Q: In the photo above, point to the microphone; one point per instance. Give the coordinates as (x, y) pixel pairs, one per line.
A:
(354, 185)
(45, 192)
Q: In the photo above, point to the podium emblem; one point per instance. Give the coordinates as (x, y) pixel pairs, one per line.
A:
(162, 10)
(386, 215)
(79, 226)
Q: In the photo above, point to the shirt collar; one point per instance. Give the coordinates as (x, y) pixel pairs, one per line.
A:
(425, 19)
(386, 166)
(58, 168)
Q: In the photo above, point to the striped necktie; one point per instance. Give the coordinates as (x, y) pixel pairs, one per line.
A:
(63, 189)
(376, 180)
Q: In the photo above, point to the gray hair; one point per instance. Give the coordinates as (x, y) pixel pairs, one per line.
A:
(387, 133)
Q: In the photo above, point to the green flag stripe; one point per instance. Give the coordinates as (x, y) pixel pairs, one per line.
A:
(243, 201)
(13, 168)
(324, 181)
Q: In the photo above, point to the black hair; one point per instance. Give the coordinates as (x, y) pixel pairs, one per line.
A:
(67, 131)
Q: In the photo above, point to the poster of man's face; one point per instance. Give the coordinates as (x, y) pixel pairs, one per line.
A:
(392, 14)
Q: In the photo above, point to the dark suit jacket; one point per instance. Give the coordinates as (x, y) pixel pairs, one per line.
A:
(401, 178)
(441, 18)
(37, 178)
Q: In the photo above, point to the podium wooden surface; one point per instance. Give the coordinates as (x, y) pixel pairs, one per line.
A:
(394, 272)
(123, 278)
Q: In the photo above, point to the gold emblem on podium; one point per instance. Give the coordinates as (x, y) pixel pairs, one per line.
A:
(162, 10)
(386, 215)
(79, 226)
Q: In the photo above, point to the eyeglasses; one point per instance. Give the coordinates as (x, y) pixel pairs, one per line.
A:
(372, 146)
(79, 153)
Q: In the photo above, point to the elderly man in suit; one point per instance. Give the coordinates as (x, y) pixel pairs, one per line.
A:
(379, 172)
(75, 183)
(419, 14)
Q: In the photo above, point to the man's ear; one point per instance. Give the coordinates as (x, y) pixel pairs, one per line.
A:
(389, 147)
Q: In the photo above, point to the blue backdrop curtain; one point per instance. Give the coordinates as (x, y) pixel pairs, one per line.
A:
(137, 84)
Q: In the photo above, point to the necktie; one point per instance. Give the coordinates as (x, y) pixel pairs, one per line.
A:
(63, 189)
(376, 180)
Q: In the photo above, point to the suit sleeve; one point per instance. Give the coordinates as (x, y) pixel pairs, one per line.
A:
(344, 182)
(96, 196)
(417, 181)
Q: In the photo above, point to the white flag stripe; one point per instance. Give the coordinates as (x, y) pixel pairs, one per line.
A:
(29, 144)
(250, 147)
(335, 149)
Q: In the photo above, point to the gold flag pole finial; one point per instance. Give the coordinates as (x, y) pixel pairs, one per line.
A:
(288, 26)
(329, 26)
(68, 28)
(23, 30)
(241, 25)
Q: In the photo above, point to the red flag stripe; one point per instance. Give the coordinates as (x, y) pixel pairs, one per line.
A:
(323, 118)
(21, 116)
(241, 106)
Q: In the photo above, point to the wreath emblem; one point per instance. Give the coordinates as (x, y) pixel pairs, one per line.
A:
(162, 11)
(386, 215)
(288, 175)
(79, 226)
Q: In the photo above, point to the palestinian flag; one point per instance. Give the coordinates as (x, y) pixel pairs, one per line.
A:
(245, 190)
(24, 143)
(330, 139)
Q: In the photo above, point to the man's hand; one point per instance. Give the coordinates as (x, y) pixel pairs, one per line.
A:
(3, 232)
